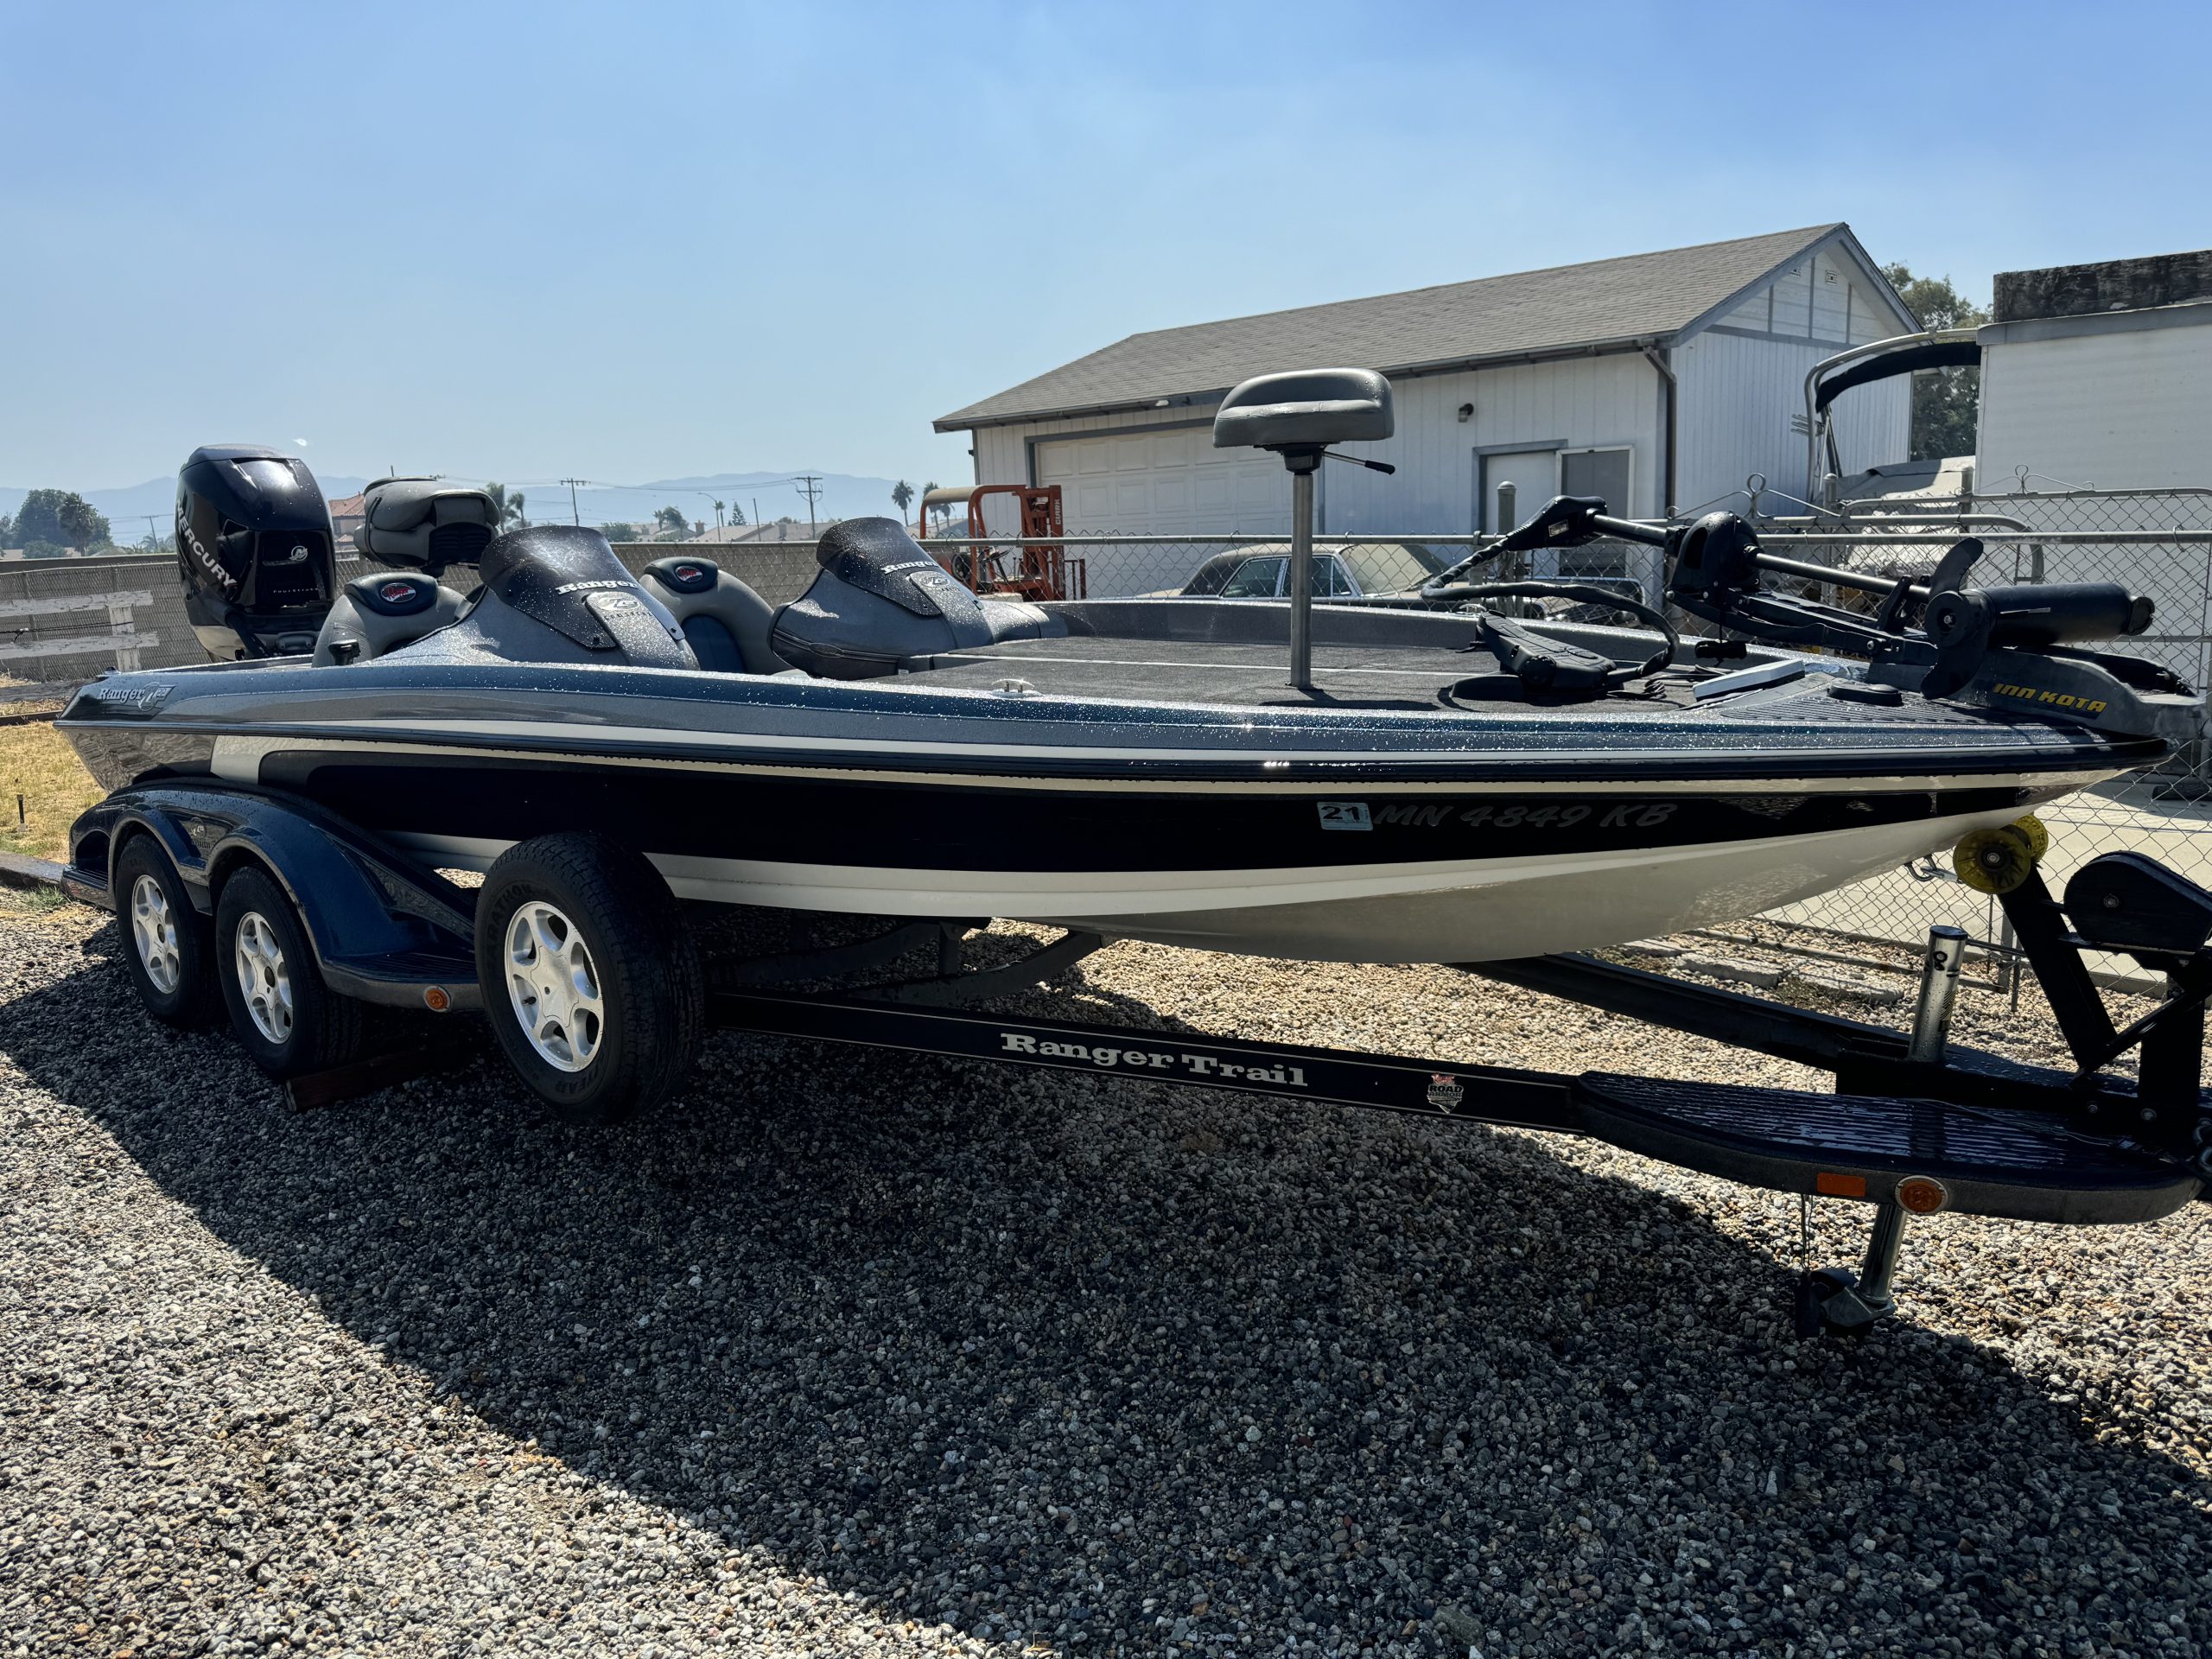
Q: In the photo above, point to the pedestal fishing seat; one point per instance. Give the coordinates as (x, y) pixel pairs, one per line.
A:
(421, 523)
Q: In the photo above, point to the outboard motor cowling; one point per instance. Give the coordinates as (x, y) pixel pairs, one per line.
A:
(880, 601)
(255, 549)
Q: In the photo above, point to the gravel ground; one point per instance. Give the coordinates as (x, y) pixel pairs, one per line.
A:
(848, 1352)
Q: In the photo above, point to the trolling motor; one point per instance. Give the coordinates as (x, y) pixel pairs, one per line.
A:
(1298, 415)
(1715, 568)
(255, 549)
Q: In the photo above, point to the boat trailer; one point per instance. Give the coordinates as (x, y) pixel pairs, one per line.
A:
(1913, 1124)
(1916, 1125)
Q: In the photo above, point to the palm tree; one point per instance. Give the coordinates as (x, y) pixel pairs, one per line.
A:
(718, 515)
(901, 493)
(673, 524)
(506, 508)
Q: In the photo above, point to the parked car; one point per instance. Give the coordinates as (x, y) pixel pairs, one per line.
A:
(1258, 572)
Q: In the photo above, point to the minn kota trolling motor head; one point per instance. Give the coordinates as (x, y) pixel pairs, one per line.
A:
(255, 549)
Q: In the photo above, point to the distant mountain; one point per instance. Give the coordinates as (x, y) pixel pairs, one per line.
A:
(127, 509)
(769, 495)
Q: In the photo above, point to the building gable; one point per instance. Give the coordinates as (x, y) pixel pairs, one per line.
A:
(1832, 294)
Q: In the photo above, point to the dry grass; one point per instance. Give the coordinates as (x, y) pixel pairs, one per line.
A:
(37, 763)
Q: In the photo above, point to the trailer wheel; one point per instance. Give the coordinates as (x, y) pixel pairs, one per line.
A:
(168, 958)
(286, 1018)
(590, 981)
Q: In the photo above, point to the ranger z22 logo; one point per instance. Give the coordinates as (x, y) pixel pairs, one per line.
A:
(146, 698)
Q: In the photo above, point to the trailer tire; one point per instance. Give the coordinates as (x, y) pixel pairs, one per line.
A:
(167, 949)
(284, 1016)
(590, 980)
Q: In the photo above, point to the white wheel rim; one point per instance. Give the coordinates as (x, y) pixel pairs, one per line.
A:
(553, 986)
(264, 985)
(153, 931)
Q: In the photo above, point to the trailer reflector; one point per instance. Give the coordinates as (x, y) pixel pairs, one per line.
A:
(1922, 1194)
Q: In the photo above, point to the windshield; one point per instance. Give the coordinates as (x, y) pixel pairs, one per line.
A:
(1213, 573)
(1255, 579)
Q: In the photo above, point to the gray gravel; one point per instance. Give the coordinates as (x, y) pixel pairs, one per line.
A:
(849, 1353)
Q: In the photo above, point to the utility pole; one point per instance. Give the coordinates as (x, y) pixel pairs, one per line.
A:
(756, 510)
(575, 515)
(810, 486)
(152, 530)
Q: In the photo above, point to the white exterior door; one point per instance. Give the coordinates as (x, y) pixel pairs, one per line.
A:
(1534, 475)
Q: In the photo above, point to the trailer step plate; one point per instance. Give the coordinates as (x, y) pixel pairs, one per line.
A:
(1977, 1160)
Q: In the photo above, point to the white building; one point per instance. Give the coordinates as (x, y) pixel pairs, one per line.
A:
(2099, 375)
(1658, 381)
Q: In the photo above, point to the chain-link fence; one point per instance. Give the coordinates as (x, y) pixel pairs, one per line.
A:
(2158, 543)
(1258, 567)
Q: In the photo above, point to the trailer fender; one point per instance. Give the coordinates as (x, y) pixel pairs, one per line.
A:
(383, 929)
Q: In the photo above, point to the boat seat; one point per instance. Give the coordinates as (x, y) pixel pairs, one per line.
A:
(378, 614)
(1306, 409)
(880, 601)
(724, 621)
(426, 523)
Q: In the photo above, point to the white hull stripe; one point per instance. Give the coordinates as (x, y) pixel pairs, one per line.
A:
(1040, 893)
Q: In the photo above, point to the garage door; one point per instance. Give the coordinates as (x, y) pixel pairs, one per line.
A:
(1165, 484)
(1160, 484)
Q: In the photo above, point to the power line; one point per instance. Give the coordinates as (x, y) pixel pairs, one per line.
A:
(574, 513)
(810, 486)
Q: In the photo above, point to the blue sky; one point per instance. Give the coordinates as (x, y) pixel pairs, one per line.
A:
(634, 242)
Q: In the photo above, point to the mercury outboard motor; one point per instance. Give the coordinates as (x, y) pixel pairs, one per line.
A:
(255, 549)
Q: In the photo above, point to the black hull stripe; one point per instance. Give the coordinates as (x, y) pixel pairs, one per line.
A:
(907, 826)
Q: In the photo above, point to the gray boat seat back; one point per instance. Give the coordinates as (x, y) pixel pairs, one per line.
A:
(727, 624)
(1304, 409)
(426, 523)
(378, 614)
(880, 601)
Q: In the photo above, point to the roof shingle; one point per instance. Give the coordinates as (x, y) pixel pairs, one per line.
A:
(1642, 295)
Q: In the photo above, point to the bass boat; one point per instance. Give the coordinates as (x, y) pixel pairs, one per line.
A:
(1428, 781)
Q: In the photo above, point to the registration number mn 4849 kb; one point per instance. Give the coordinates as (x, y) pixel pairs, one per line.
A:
(1495, 815)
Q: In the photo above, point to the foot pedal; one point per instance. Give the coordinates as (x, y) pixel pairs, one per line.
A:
(1921, 1154)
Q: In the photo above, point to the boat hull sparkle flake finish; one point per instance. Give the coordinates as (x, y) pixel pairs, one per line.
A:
(1231, 813)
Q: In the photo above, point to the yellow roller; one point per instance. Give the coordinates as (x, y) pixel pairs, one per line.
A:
(1995, 861)
(2039, 837)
